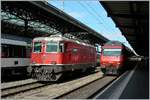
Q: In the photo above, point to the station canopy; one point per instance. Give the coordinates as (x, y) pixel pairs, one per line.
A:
(38, 18)
(132, 18)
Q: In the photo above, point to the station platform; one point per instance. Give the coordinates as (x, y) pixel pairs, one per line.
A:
(138, 86)
(133, 85)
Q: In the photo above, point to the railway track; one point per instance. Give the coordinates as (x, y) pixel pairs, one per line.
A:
(16, 83)
(89, 91)
(86, 90)
(50, 91)
(12, 90)
(79, 88)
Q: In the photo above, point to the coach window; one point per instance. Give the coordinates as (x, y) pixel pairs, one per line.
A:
(23, 51)
(37, 47)
(28, 50)
(17, 51)
(11, 51)
(5, 51)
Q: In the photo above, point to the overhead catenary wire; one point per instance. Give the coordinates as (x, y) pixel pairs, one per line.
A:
(63, 9)
(88, 12)
(98, 15)
(102, 19)
(105, 27)
(95, 16)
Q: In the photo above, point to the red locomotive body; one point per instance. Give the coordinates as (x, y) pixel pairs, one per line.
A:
(52, 56)
(113, 57)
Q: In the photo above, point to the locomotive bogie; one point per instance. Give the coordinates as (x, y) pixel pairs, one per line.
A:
(112, 69)
(45, 72)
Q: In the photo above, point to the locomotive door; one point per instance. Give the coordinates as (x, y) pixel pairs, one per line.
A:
(74, 55)
(71, 53)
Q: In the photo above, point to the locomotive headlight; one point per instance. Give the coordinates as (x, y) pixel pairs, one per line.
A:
(118, 63)
(33, 62)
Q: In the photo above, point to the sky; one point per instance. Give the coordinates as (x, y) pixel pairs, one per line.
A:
(92, 14)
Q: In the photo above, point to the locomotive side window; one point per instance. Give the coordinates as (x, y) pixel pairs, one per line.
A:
(61, 47)
(112, 52)
(51, 47)
(37, 47)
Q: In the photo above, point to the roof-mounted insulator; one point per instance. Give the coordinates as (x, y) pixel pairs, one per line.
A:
(56, 35)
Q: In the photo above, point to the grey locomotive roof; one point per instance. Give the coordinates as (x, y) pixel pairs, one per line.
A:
(113, 43)
(57, 38)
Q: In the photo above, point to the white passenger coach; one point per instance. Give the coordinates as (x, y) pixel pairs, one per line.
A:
(15, 54)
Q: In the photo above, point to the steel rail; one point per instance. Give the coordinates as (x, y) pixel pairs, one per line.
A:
(6, 92)
(85, 96)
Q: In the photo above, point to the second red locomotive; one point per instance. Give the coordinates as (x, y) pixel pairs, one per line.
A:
(53, 56)
(113, 57)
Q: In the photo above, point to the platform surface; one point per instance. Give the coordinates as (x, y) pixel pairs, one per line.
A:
(133, 85)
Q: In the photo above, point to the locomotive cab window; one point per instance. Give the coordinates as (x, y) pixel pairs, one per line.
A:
(51, 47)
(112, 52)
(37, 47)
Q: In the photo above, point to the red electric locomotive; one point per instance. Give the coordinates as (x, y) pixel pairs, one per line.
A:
(53, 56)
(113, 57)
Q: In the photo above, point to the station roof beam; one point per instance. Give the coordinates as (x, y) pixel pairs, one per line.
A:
(132, 18)
(44, 13)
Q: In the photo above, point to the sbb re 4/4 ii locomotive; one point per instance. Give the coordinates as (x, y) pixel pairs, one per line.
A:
(56, 55)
